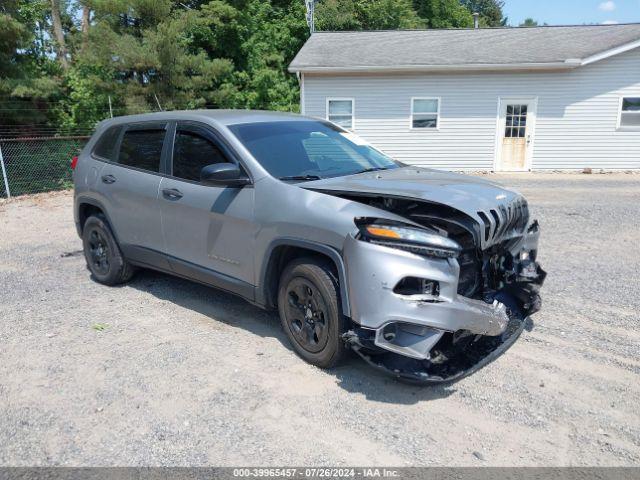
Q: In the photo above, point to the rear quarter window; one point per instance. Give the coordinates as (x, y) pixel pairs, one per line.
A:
(106, 144)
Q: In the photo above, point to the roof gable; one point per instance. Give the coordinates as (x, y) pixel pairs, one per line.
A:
(499, 48)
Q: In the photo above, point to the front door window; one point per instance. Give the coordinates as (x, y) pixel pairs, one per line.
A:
(192, 152)
(516, 124)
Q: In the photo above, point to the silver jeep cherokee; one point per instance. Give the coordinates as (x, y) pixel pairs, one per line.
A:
(425, 274)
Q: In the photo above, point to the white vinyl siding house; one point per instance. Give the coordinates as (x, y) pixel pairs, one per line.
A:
(568, 119)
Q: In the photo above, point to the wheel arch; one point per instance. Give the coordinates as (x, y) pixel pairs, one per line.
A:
(85, 207)
(282, 251)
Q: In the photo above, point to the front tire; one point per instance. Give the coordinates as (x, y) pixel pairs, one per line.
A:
(310, 312)
(102, 253)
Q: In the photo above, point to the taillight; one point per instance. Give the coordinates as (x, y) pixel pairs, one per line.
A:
(74, 163)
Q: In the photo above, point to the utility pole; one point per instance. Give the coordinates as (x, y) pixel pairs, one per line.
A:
(311, 5)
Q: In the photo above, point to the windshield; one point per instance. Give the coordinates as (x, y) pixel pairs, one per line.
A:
(309, 150)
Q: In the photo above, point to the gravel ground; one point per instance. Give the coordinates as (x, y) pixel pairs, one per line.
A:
(166, 372)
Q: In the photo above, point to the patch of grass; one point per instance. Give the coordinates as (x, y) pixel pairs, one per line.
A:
(100, 327)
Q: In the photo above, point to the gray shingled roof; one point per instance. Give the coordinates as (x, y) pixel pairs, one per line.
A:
(407, 49)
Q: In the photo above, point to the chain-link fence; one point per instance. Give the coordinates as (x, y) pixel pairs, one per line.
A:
(37, 164)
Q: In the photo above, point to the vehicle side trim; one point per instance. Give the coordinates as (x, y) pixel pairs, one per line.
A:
(148, 258)
(262, 294)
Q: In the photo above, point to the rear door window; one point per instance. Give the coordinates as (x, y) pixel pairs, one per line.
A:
(142, 148)
(192, 152)
(106, 145)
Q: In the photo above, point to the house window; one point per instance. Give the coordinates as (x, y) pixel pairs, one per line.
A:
(425, 112)
(630, 113)
(340, 111)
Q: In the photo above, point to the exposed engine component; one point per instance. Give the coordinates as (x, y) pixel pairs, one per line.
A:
(483, 272)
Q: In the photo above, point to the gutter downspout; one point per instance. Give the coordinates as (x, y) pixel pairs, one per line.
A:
(302, 99)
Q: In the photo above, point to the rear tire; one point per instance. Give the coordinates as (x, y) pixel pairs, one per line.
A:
(104, 257)
(311, 313)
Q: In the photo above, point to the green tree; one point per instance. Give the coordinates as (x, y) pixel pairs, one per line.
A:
(14, 35)
(29, 82)
(143, 55)
(367, 15)
(529, 22)
(443, 13)
(61, 61)
(275, 32)
(490, 11)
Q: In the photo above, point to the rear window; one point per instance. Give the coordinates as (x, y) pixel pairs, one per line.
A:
(142, 149)
(105, 147)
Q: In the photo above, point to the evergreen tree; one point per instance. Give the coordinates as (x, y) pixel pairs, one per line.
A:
(29, 78)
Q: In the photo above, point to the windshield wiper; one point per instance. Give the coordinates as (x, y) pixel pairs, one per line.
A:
(370, 169)
(301, 177)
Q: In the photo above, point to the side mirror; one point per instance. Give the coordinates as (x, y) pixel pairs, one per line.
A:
(223, 174)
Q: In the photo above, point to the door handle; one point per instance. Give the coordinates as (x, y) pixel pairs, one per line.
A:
(108, 179)
(172, 194)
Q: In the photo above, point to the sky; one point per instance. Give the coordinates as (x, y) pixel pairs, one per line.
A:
(573, 12)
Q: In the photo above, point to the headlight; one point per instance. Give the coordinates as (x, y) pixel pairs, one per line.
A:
(411, 239)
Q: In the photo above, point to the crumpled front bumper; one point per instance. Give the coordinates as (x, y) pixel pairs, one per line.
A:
(406, 331)
(461, 363)
(373, 272)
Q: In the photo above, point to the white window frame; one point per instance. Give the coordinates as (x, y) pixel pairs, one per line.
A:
(343, 99)
(629, 128)
(437, 113)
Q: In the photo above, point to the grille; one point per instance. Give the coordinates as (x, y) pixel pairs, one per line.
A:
(470, 278)
(498, 222)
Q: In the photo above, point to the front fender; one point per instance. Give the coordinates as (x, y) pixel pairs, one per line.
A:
(262, 295)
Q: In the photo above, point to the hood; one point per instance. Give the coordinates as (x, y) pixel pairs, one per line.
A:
(463, 192)
(498, 211)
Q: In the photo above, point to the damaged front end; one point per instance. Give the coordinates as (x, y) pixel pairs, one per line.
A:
(434, 311)
(453, 357)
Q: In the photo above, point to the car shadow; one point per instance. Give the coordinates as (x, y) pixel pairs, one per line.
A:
(354, 375)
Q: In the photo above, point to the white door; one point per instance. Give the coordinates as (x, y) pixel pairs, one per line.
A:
(515, 134)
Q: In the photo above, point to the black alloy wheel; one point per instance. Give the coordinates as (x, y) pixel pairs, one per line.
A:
(310, 311)
(307, 315)
(98, 252)
(102, 252)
